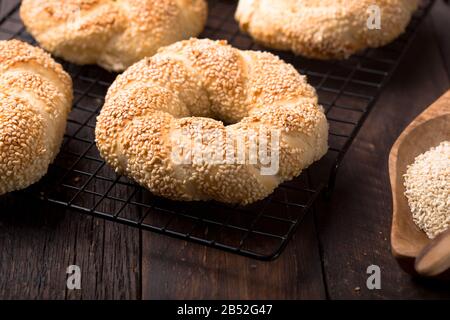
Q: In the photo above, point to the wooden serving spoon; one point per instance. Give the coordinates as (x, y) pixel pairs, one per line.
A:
(435, 257)
(428, 130)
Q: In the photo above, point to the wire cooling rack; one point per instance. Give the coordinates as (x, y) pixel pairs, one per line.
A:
(79, 178)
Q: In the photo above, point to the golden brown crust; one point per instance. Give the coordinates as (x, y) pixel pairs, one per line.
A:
(323, 29)
(111, 33)
(151, 109)
(35, 98)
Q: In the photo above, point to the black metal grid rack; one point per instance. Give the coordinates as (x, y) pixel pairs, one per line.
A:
(80, 179)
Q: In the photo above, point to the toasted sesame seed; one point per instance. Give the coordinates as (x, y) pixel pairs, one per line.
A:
(35, 98)
(427, 184)
(113, 34)
(323, 29)
(200, 85)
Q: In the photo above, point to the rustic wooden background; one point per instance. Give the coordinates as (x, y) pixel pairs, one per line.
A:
(327, 258)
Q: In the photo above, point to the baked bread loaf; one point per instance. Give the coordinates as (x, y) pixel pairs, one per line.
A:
(194, 87)
(324, 29)
(111, 33)
(35, 99)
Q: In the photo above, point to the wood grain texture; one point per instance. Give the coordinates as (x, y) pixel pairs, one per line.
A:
(180, 270)
(107, 253)
(40, 241)
(36, 242)
(441, 24)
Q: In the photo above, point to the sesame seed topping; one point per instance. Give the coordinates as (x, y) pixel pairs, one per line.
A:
(35, 98)
(323, 29)
(112, 33)
(199, 85)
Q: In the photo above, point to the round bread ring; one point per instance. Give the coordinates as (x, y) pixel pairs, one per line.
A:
(185, 86)
(35, 99)
(323, 29)
(111, 33)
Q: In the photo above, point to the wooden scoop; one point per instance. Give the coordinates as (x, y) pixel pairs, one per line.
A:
(435, 257)
(428, 130)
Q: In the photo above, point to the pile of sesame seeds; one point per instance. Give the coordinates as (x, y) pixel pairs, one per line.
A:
(427, 183)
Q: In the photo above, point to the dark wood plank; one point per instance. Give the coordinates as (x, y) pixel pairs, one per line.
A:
(108, 254)
(174, 269)
(441, 22)
(40, 241)
(355, 225)
(35, 242)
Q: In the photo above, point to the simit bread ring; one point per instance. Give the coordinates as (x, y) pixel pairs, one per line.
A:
(160, 101)
(111, 33)
(323, 29)
(35, 98)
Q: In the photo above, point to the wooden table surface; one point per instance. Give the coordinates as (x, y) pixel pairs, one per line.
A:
(327, 258)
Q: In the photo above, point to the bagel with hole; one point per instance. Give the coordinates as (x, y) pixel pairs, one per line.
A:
(195, 87)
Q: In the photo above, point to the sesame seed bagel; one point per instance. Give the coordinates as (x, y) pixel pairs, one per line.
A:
(111, 33)
(35, 99)
(194, 86)
(323, 29)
